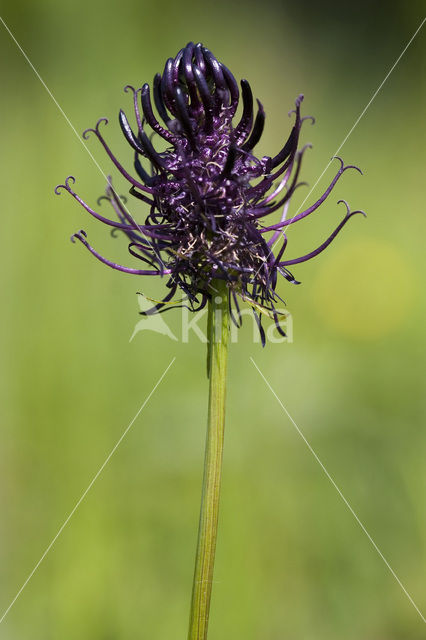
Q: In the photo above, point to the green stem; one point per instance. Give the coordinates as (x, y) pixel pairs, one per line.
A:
(218, 330)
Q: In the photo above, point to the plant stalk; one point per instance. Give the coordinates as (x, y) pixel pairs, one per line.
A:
(218, 332)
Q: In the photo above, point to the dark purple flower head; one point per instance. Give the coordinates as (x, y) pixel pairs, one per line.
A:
(208, 193)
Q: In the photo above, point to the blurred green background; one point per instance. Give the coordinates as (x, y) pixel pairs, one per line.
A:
(292, 562)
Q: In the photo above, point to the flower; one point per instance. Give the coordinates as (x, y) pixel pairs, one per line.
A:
(207, 192)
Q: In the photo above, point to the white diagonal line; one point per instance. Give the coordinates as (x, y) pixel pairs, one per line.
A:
(340, 493)
(84, 494)
(353, 127)
(361, 115)
(80, 139)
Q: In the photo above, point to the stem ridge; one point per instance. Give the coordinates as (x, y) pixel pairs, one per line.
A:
(218, 333)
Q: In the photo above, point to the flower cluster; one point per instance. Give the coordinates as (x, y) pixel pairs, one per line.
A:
(208, 194)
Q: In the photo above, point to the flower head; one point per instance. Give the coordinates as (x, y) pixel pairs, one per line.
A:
(208, 194)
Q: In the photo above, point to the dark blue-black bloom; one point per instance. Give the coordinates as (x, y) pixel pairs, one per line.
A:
(207, 192)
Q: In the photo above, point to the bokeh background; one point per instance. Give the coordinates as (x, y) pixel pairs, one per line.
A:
(292, 562)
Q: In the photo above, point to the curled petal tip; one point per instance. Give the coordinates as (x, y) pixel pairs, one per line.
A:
(95, 130)
(359, 211)
(86, 132)
(348, 166)
(342, 164)
(80, 235)
(65, 186)
(353, 166)
(301, 153)
(99, 122)
(197, 98)
(297, 102)
(348, 209)
(99, 200)
(350, 213)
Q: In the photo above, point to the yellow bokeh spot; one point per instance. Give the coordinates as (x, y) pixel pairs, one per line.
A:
(365, 289)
